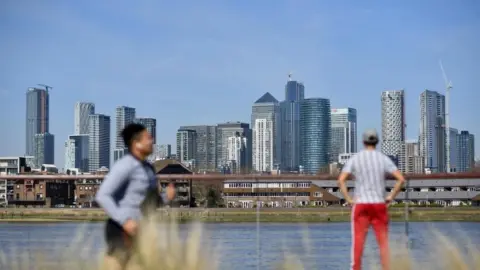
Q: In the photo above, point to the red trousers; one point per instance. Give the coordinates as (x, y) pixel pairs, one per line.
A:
(364, 215)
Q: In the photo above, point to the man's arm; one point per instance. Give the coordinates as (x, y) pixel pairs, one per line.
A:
(116, 178)
(346, 172)
(393, 170)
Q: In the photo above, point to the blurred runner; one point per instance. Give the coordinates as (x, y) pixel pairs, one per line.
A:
(369, 168)
(127, 193)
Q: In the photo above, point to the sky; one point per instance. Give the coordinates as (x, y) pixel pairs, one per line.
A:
(206, 62)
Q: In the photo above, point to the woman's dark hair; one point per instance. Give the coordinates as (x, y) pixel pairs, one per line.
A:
(131, 133)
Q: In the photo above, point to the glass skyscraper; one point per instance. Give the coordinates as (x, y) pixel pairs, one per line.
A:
(290, 125)
(315, 134)
(37, 120)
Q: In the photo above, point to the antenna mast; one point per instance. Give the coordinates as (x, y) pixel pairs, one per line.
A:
(290, 76)
(47, 87)
(448, 86)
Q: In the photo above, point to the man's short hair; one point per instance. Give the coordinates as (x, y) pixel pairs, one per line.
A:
(131, 132)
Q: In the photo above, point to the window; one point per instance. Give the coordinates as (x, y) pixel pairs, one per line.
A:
(41, 186)
(318, 194)
(18, 186)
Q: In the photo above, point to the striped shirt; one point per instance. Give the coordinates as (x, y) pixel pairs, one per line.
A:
(369, 168)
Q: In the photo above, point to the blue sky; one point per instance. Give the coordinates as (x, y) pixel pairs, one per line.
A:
(205, 62)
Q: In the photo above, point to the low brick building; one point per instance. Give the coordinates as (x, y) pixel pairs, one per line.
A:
(42, 193)
(85, 191)
(183, 187)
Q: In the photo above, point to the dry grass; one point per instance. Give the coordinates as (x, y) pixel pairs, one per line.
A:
(165, 249)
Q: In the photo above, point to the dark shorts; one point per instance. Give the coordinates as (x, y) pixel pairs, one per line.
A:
(119, 243)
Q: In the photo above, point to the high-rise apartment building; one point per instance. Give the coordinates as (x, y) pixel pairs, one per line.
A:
(238, 153)
(151, 126)
(414, 162)
(81, 113)
(206, 148)
(393, 126)
(76, 152)
(162, 151)
(124, 115)
(315, 135)
(44, 149)
(266, 146)
(290, 125)
(37, 117)
(99, 141)
(186, 146)
(432, 130)
(466, 151)
(453, 149)
(225, 131)
(344, 132)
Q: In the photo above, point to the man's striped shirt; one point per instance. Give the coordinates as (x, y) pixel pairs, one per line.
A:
(369, 168)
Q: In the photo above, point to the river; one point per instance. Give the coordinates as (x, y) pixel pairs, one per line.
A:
(329, 243)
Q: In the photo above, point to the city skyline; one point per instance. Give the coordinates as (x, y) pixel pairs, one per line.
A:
(348, 75)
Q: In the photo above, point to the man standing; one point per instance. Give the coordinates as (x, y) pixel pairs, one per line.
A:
(127, 193)
(369, 168)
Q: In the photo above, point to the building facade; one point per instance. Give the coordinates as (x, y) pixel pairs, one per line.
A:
(290, 125)
(81, 112)
(466, 151)
(432, 130)
(206, 147)
(123, 116)
(238, 154)
(37, 117)
(186, 146)
(414, 162)
(315, 134)
(151, 126)
(344, 132)
(266, 134)
(99, 142)
(76, 152)
(453, 149)
(225, 131)
(44, 149)
(393, 125)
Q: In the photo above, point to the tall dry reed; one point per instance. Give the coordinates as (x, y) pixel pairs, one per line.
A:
(161, 247)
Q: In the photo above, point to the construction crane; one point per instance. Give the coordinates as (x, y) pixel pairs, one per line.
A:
(448, 86)
(47, 87)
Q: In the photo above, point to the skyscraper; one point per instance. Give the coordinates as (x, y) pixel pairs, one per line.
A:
(453, 149)
(290, 125)
(238, 153)
(37, 118)
(266, 130)
(82, 111)
(344, 132)
(432, 130)
(466, 151)
(99, 141)
(315, 135)
(124, 116)
(414, 163)
(206, 147)
(239, 130)
(186, 146)
(44, 149)
(76, 152)
(393, 126)
(151, 126)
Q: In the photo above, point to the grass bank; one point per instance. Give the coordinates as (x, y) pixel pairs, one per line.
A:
(242, 215)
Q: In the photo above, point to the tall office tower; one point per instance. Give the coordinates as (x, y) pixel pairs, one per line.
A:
(414, 162)
(162, 151)
(76, 152)
(82, 111)
(238, 153)
(124, 116)
(453, 149)
(186, 146)
(466, 151)
(151, 126)
(393, 126)
(225, 131)
(266, 134)
(44, 149)
(37, 117)
(432, 130)
(98, 142)
(344, 132)
(315, 135)
(206, 148)
(290, 125)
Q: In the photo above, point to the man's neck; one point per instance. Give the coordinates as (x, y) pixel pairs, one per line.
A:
(370, 148)
(138, 155)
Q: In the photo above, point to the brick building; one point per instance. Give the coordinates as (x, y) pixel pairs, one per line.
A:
(42, 193)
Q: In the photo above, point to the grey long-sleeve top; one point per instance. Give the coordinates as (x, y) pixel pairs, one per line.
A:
(125, 187)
